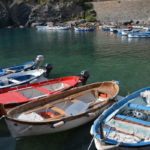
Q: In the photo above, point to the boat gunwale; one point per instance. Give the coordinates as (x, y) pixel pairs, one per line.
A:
(27, 86)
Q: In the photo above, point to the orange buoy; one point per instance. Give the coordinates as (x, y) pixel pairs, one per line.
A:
(103, 95)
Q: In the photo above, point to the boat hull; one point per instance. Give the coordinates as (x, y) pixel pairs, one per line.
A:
(19, 129)
(113, 147)
(34, 76)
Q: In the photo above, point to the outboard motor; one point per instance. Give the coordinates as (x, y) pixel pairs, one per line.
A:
(84, 75)
(48, 68)
(38, 61)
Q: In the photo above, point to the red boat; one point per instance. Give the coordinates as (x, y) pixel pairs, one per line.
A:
(12, 97)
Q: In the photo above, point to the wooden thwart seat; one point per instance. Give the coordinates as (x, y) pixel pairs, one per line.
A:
(58, 110)
(132, 120)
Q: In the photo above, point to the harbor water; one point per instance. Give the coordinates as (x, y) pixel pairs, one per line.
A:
(106, 56)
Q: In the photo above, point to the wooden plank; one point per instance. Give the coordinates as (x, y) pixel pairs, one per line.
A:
(58, 110)
(74, 100)
(129, 121)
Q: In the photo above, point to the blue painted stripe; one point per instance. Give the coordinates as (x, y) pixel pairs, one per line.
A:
(134, 120)
(141, 107)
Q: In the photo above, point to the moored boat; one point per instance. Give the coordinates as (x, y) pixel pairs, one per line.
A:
(108, 28)
(139, 35)
(11, 97)
(57, 28)
(126, 124)
(84, 29)
(123, 31)
(22, 67)
(16, 68)
(48, 27)
(63, 111)
(20, 78)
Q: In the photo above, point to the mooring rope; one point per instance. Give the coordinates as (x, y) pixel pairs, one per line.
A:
(2, 117)
(91, 143)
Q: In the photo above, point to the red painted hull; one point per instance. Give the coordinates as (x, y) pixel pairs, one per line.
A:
(12, 97)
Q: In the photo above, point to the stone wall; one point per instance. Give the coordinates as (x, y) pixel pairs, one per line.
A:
(123, 10)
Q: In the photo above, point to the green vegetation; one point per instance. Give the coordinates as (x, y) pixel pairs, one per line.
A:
(90, 18)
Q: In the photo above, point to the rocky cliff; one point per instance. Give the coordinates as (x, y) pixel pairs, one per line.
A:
(22, 13)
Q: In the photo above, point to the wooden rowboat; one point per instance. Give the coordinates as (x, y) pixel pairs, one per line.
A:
(61, 111)
(125, 125)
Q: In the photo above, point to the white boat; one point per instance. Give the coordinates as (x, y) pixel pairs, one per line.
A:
(57, 28)
(48, 27)
(20, 78)
(60, 112)
(139, 35)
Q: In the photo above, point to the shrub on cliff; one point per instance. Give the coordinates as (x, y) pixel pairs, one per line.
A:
(90, 18)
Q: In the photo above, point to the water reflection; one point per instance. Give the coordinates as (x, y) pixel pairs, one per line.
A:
(107, 56)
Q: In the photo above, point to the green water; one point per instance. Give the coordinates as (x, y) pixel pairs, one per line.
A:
(105, 56)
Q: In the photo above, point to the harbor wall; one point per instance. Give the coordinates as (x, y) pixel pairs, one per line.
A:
(122, 10)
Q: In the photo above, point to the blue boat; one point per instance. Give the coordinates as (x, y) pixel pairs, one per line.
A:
(80, 29)
(16, 68)
(126, 124)
(139, 35)
(20, 78)
(37, 63)
(122, 31)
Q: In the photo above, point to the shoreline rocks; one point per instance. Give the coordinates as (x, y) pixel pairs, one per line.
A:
(29, 14)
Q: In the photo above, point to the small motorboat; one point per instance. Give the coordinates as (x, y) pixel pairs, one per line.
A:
(55, 28)
(16, 68)
(62, 111)
(139, 35)
(84, 29)
(22, 67)
(108, 28)
(11, 97)
(124, 31)
(20, 78)
(126, 124)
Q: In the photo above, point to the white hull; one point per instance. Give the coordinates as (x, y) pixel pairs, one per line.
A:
(37, 74)
(140, 36)
(21, 130)
(124, 33)
(56, 28)
(113, 147)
